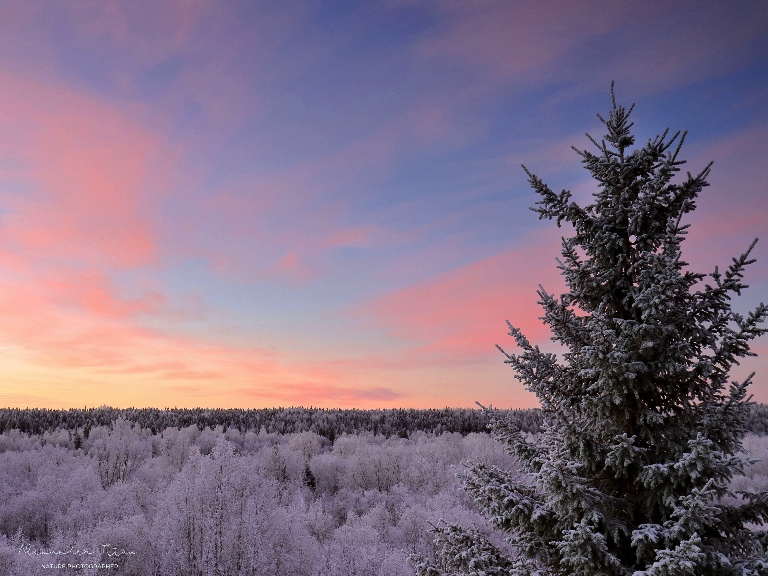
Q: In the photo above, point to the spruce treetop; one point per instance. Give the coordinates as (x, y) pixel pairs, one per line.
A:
(643, 429)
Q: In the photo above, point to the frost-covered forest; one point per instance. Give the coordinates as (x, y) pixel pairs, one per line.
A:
(323, 421)
(218, 499)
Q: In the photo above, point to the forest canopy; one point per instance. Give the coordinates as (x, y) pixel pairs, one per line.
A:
(323, 421)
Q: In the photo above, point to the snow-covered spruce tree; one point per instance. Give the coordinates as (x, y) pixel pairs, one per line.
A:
(642, 429)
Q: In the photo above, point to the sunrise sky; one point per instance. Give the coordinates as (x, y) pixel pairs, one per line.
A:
(244, 204)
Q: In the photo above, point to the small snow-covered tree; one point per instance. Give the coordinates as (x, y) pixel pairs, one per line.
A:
(642, 429)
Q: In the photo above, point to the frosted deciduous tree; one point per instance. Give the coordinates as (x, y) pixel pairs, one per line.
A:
(642, 428)
(202, 516)
(221, 517)
(119, 452)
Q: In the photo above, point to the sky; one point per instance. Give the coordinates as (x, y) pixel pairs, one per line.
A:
(256, 204)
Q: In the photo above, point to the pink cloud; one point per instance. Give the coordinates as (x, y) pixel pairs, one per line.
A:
(89, 171)
(93, 292)
(461, 314)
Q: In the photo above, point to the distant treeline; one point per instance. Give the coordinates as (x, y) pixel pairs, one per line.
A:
(323, 421)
